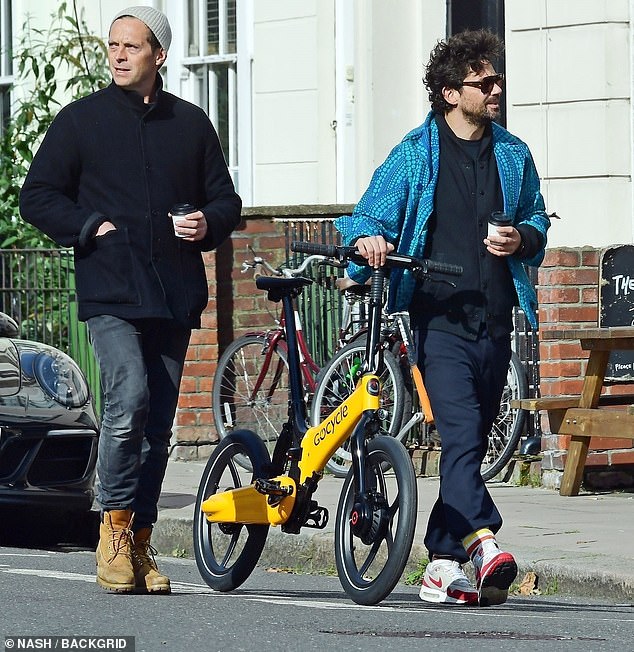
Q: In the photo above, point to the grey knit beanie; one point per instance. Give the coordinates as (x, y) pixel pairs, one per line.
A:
(154, 19)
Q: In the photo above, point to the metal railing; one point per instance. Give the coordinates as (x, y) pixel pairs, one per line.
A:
(320, 304)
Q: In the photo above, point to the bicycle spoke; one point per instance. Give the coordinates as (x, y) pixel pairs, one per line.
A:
(509, 423)
(226, 553)
(250, 390)
(370, 557)
(370, 570)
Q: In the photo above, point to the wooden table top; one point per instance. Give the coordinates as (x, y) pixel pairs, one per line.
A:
(594, 333)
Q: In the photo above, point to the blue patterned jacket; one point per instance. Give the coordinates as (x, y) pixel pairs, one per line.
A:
(400, 200)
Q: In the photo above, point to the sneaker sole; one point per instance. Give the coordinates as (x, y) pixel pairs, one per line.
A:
(440, 597)
(494, 587)
(491, 596)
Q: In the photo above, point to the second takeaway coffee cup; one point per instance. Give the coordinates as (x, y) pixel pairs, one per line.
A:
(178, 211)
(497, 219)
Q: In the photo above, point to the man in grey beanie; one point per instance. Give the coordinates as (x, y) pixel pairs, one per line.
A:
(103, 181)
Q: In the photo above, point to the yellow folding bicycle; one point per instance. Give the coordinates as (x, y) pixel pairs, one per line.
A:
(376, 513)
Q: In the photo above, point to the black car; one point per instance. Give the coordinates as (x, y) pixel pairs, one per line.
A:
(48, 439)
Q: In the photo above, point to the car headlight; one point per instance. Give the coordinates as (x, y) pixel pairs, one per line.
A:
(61, 378)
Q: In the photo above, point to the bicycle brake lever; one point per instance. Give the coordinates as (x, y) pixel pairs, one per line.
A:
(332, 262)
(252, 264)
(429, 277)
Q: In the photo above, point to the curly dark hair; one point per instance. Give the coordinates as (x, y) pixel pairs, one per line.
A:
(452, 60)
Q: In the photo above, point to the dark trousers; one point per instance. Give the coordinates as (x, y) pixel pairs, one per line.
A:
(465, 380)
(141, 364)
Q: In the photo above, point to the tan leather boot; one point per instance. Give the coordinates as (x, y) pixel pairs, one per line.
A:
(146, 571)
(114, 552)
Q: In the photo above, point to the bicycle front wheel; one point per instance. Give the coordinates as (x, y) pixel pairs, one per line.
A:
(338, 379)
(509, 423)
(226, 553)
(250, 391)
(374, 532)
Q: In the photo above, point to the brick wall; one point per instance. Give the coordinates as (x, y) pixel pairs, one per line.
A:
(568, 297)
(235, 307)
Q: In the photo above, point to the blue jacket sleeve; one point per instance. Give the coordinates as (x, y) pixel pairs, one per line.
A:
(531, 210)
(380, 210)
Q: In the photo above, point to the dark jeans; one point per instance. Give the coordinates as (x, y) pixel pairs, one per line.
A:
(465, 380)
(141, 364)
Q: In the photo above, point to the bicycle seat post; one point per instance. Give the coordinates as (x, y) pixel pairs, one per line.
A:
(297, 404)
(285, 290)
(374, 320)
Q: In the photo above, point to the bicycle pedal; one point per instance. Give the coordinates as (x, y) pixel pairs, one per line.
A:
(273, 489)
(317, 517)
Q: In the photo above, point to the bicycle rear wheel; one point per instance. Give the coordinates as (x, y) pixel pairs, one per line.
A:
(337, 380)
(374, 533)
(250, 391)
(227, 553)
(509, 423)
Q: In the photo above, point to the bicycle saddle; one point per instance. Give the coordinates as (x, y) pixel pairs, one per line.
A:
(281, 287)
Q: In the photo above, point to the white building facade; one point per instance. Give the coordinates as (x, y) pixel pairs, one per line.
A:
(309, 96)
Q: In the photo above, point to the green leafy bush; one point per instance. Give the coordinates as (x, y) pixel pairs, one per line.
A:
(52, 66)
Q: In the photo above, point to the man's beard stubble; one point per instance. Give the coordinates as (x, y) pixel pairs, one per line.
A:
(479, 117)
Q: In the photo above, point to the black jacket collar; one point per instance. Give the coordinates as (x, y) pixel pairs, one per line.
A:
(134, 101)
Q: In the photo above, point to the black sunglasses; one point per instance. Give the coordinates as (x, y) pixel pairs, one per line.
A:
(486, 85)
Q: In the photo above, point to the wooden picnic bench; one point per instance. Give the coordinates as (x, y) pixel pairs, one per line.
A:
(584, 416)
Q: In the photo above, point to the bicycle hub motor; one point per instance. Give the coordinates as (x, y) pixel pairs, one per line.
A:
(369, 517)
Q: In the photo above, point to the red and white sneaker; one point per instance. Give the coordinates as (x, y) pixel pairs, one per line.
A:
(495, 571)
(445, 581)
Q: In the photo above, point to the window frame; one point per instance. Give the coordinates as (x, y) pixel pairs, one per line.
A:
(6, 61)
(204, 68)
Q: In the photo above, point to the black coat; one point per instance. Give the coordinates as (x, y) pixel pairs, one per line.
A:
(111, 157)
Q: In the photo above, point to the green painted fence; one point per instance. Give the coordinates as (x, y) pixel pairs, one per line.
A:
(37, 289)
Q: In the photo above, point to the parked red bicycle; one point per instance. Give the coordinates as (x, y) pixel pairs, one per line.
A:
(250, 387)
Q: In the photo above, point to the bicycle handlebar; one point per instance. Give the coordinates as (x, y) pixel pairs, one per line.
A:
(418, 266)
(282, 271)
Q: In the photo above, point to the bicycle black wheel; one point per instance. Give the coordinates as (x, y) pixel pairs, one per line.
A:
(509, 423)
(373, 539)
(227, 553)
(337, 380)
(241, 398)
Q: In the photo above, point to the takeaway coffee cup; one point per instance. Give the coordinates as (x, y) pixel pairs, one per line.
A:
(178, 212)
(497, 219)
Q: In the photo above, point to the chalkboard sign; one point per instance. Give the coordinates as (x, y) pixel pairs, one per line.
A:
(616, 305)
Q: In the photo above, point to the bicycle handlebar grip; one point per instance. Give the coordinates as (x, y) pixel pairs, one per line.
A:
(314, 248)
(444, 268)
(329, 251)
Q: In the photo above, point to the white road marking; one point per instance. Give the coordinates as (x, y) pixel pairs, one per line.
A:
(26, 554)
(56, 575)
(82, 577)
(188, 587)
